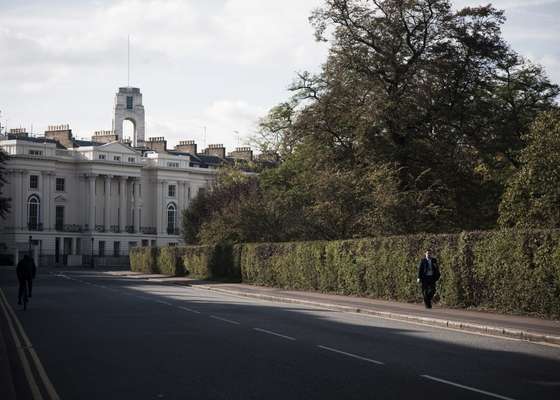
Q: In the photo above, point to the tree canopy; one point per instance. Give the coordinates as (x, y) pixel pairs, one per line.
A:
(414, 124)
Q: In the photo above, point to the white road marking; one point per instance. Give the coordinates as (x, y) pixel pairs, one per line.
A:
(189, 310)
(163, 302)
(274, 333)
(466, 387)
(225, 320)
(351, 355)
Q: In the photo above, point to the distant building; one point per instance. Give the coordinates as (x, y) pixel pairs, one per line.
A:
(72, 199)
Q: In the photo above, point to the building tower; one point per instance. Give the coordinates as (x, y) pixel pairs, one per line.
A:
(128, 107)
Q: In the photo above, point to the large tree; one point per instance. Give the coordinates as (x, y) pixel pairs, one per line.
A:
(532, 196)
(435, 91)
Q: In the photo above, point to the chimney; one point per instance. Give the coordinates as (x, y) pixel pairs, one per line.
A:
(242, 153)
(187, 146)
(104, 137)
(217, 150)
(17, 133)
(61, 133)
(157, 144)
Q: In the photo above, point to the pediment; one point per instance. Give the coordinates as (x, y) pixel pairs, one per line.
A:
(116, 147)
(60, 199)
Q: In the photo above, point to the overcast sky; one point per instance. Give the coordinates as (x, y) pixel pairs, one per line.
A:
(219, 64)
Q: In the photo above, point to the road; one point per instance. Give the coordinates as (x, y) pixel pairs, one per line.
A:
(101, 336)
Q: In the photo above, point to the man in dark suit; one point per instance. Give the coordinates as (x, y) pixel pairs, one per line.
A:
(428, 275)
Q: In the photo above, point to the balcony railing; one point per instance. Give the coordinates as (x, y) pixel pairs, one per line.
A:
(148, 230)
(99, 228)
(129, 229)
(172, 231)
(69, 228)
(35, 226)
(115, 229)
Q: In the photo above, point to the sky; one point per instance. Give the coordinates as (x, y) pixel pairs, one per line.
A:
(208, 70)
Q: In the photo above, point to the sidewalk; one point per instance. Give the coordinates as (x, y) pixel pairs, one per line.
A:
(516, 327)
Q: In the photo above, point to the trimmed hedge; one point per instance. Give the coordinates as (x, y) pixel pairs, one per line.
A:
(203, 262)
(510, 271)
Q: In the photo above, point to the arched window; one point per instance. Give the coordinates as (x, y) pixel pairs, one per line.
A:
(33, 213)
(171, 218)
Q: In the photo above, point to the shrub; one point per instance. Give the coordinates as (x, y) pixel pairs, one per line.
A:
(143, 259)
(513, 271)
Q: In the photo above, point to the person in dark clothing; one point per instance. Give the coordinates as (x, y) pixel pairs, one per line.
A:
(428, 275)
(26, 273)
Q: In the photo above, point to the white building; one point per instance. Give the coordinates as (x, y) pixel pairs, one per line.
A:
(72, 199)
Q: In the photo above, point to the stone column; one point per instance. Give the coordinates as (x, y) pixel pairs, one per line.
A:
(180, 187)
(91, 202)
(47, 200)
(122, 203)
(107, 208)
(18, 181)
(23, 196)
(136, 206)
(159, 207)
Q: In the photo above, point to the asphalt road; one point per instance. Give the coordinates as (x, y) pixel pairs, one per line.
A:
(105, 337)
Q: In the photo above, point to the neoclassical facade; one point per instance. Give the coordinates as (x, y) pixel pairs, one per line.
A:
(74, 199)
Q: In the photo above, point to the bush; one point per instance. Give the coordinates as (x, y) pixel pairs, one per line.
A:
(511, 271)
(508, 271)
(169, 262)
(143, 259)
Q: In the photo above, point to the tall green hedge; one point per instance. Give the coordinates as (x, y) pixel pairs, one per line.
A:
(510, 271)
(203, 262)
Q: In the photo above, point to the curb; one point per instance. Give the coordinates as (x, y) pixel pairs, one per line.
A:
(457, 325)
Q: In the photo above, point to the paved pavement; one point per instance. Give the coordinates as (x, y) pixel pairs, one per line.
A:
(117, 336)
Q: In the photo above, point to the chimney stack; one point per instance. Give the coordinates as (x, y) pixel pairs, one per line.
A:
(62, 134)
(104, 137)
(217, 150)
(242, 153)
(17, 133)
(157, 144)
(187, 146)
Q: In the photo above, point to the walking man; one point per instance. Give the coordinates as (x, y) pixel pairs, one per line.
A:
(428, 275)
(26, 273)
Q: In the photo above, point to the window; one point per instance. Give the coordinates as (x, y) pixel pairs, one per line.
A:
(33, 213)
(60, 184)
(78, 246)
(35, 152)
(171, 189)
(139, 190)
(116, 249)
(189, 193)
(145, 242)
(102, 157)
(131, 159)
(116, 158)
(171, 217)
(59, 218)
(129, 102)
(173, 164)
(34, 181)
(102, 248)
